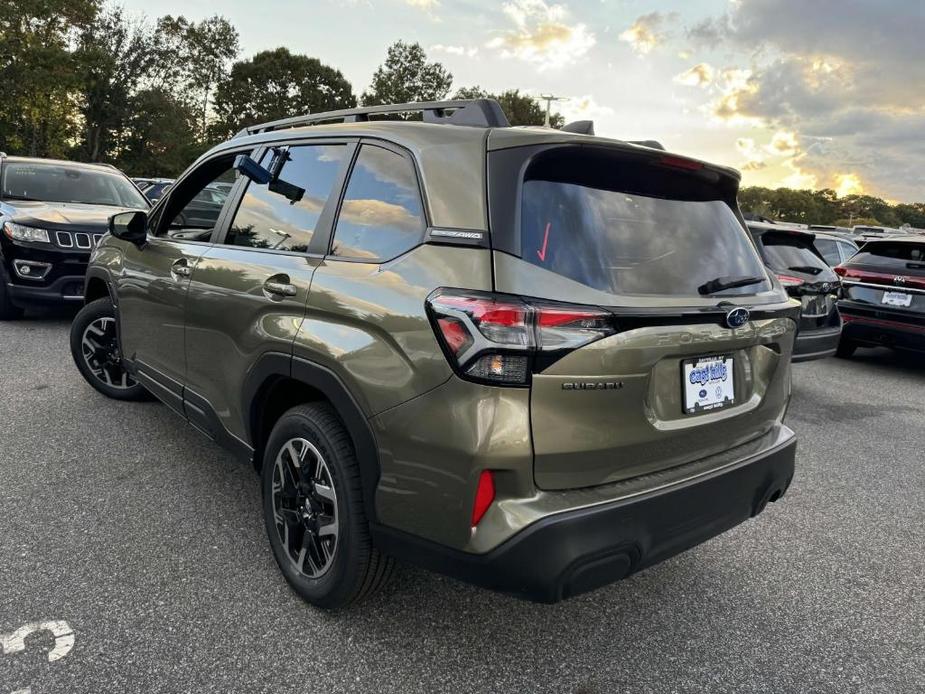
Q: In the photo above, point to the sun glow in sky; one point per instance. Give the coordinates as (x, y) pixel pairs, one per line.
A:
(792, 93)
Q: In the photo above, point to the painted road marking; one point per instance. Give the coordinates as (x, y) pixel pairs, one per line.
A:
(16, 642)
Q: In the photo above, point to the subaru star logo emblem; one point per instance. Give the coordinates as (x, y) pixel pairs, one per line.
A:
(737, 317)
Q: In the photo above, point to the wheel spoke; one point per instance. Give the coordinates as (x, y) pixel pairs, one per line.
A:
(325, 492)
(328, 528)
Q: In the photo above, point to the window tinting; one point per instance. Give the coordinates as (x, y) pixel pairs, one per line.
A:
(625, 243)
(381, 215)
(847, 250)
(891, 255)
(282, 214)
(782, 253)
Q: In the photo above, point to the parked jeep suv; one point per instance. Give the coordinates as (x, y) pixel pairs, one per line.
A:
(532, 359)
(52, 213)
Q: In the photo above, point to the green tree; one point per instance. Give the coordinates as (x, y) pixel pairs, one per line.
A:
(406, 76)
(277, 84)
(520, 109)
(160, 137)
(39, 77)
(192, 58)
(114, 57)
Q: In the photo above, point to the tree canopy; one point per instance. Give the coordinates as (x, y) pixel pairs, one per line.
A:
(521, 109)
(406, 76)
(276, 84)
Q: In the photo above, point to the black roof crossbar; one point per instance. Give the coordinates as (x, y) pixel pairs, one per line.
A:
(480, 113)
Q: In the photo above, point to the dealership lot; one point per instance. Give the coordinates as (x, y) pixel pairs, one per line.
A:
(148, 542)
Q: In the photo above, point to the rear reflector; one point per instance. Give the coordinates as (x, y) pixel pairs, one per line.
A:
(484, 495)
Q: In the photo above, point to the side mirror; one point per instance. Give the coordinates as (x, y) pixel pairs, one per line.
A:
(130, 226)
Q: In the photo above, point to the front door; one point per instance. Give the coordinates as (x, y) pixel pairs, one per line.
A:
(248, 291)
(152, 287)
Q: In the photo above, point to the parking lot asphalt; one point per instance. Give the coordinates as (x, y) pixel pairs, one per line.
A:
(148, 542)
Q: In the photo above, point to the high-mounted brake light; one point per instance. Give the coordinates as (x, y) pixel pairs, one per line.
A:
(496, 338)
(789, 280)
(484, 496)
(681, 163)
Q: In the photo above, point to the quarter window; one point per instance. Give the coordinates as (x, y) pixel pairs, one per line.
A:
(381, 216)
(283, 214)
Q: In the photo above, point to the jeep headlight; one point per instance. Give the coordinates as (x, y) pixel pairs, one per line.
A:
(18, 232)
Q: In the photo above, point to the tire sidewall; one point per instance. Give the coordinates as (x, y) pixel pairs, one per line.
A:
(334, 587)
(101, 308)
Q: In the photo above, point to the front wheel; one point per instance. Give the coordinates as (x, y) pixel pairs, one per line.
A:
(313, 510)
(95, 348)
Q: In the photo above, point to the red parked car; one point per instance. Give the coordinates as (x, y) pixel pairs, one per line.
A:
(884, 296)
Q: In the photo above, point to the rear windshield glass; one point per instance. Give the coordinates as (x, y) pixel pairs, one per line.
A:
(786, 254)
(63, 183)
(625, 243)
(892, 255)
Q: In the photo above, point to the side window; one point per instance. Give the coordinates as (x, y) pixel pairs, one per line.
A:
(829, 251)
(381, 216)
(195, 204)
(283, 214)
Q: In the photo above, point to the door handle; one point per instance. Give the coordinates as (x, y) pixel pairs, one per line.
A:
(279, 288)
(181, 268)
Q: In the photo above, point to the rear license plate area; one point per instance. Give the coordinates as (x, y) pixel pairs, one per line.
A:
(707, 383)
(896, 299)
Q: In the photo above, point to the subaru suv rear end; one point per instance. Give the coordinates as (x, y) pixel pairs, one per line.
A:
(532, 359)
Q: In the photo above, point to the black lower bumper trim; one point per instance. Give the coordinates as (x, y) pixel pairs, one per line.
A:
(65, 289)
(577, 551)
(816, 344)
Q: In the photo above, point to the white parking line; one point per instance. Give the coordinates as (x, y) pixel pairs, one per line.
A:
(64, 638)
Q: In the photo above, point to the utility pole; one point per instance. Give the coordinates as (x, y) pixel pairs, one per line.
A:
(549, 98)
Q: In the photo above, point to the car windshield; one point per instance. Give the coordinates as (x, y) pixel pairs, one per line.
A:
(64, 183)
(625, 243)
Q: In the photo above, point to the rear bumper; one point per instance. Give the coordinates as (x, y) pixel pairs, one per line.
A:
(883, 328)
(576, 551)
(816, 344)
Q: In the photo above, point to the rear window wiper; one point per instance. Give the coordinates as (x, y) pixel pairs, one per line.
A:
(718, 284)
(810, 269)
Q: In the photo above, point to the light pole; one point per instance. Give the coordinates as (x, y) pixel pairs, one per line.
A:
(549, 98)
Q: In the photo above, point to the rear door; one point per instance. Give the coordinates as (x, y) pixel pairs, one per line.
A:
(655, 241)
(248, 292)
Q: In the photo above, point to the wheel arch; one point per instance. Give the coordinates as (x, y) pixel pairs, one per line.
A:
(97, 286)
(278, 382)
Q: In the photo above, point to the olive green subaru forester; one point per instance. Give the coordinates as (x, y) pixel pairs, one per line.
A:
(533, 359)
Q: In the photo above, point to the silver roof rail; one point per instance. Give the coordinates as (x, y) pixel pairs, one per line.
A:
(481, 113)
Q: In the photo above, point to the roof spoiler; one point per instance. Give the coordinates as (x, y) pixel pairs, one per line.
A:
(582, 127)
(651, 144)
(480, 113)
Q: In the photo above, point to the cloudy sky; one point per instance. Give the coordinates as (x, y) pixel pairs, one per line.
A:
(800, 93)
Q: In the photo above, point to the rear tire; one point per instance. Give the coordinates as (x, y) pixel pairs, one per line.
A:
(8, 311)
(313, 510)
(96, 352)
(845, 349)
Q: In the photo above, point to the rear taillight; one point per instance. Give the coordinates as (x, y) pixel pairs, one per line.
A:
(499, 339)
(883, 278)
(789, 280)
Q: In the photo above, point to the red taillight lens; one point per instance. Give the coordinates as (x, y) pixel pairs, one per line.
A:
(840, 270)
(484, 495)
(494, 338)
(789, 280)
